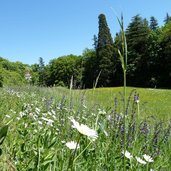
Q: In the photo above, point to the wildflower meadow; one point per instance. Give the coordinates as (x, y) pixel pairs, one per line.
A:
(61, 129)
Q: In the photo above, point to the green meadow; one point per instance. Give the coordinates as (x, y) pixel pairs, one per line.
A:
(62, 129)
(59, 116)
(153, 102)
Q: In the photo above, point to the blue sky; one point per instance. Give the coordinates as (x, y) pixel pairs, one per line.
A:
(51, 28)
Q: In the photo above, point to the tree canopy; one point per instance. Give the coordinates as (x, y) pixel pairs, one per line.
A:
(149, 60)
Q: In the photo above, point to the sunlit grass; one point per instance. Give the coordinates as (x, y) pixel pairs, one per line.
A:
(153, 102)
(40, 126)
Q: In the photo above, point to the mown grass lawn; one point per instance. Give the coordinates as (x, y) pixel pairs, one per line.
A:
(153, 102)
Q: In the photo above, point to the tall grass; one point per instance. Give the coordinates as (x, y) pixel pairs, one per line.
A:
(123, 59)
(57, 129)
(40, 129)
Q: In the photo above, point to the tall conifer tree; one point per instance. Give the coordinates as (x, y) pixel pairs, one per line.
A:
(104, 53)
(153, 23)
(41, 72)
(167, 18)
(137, 40)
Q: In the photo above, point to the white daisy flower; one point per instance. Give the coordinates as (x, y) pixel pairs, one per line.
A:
(53, 112)
(140, 160)
(47, 120)
(72, 145)
(18, 118)
(148, 158)
(84, 129)
(37, 110)
(49, 113)
(8, 116)
(127, 154)
(54, 117)
(109, 117)
(102, 112)
(40, 123)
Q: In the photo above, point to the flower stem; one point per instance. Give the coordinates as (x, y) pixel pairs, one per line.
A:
(124, 119)
(82, 152)
(71, 159)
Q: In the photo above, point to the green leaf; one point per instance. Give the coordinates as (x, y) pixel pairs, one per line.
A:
(121, 59)
(3, 133)
(47, 162)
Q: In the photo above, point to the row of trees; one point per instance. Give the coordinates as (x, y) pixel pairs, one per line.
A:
(149, 50)
(149, 59)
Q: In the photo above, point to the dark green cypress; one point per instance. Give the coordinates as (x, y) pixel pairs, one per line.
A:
(153, 23)
(167, 19)
(104, 54)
